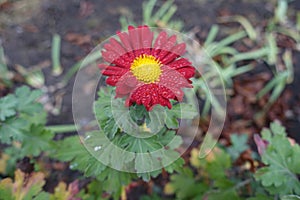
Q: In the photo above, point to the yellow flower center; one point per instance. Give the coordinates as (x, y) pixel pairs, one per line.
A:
(146, 68)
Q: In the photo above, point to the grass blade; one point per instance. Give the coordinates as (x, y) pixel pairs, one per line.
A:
(244, 22)
(211, 35)
(250, 55)
(55, 53)
(147, 11)
(5, 75)
(161, 12)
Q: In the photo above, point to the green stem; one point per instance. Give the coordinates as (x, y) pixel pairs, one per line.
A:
(62, 128)
(91, 58)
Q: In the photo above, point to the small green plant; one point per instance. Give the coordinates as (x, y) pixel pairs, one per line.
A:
(84, 160)
(280, 175)
(215, 175)
(218, 177)
(160, 18)
(22, 122)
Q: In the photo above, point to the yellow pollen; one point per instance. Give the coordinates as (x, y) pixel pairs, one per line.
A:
(146, 68)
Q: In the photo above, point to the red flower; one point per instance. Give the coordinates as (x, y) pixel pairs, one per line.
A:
(146, 73)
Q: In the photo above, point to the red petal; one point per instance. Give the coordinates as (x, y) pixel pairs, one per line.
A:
(151, 94)
(112, 70)
(125, 41)
(109, 56)
(187, 72)
(182, 62)
(117, 47)
(126, 84)
(172, 78)
(165, 50)
(161, 39)
(134, 36)
(112, 80)
(147, 39)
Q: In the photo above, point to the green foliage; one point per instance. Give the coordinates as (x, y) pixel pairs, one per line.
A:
(186, 186)
(15, 113)
(7, 105)
(179, 111)
(114, 147)
(40, 137)
(280, 175)
(160, 17)
(136, 132)
(238, 145)
(94, 191)
(22, 126)
(212, 181)
(72, 150)
(18, 113)
(216, 177)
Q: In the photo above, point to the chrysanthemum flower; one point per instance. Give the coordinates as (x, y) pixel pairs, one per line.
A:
(144, 72)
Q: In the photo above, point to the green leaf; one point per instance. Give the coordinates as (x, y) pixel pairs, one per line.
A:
(14, 154)
(6, 189)
(71, 150)
(142, 161)
(7, 107)
(104, 115)
(157, 119)
(290, 197)
(276, 128)
(151, 197)
(114, 180)
(151, 153)
(280, 176)
(42, 196)
(12, 129)
(36, 140)
(23, 104)
(175, 166)
(27, 100)
(142, 145)
(261, 197)
(238, 145)
(216, 163)
(185, 186)
(224, 195)
(179, 111)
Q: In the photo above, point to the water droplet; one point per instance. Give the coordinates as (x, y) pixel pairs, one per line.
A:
(97, 148)
(87, 137)
(72, 166)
